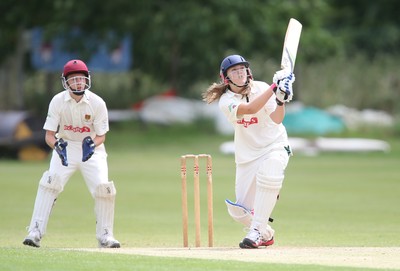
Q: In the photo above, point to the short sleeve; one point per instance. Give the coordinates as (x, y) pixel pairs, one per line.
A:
(53, 115)
(229, 106)
(101, 126)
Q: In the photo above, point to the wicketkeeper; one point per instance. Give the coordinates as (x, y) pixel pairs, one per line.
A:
(262, 151)
(76, 127)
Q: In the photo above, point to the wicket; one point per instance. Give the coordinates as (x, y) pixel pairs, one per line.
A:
(196, 180)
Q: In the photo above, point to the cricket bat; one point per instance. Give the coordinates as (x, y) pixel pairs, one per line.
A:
(291, 44)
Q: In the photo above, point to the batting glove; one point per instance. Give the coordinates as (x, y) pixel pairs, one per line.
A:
(61, 148)
(279, 75)
(87, 148)
(284, 90)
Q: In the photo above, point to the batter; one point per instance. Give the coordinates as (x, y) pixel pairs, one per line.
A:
(262, 151)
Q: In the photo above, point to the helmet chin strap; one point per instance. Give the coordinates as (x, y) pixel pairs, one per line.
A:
(78, 93)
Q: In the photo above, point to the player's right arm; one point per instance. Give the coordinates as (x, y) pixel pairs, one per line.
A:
(53, 119)
(59, 145)
(255, 105)
(50, 138)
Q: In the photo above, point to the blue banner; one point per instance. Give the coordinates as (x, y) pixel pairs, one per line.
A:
(52, 55)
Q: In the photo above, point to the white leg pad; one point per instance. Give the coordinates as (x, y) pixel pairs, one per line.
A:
(49, 189)
(239, 213)
(104, 197)
(269, 182)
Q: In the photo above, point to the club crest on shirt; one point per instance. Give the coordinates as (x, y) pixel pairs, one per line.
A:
(231, 107)
(87, 117)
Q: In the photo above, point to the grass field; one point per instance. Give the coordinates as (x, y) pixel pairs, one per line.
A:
(330, 200)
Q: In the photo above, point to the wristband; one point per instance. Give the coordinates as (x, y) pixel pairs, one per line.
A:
(279, 103)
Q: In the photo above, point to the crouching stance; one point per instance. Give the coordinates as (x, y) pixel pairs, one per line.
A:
(256, 111)
(76, 127)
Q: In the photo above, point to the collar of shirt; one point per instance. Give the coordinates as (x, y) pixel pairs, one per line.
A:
(230, 93)
(85, 98)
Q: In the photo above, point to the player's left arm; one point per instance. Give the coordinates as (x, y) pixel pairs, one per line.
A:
(100, 126)
(89, 144)
(98, 140)
(278, 115)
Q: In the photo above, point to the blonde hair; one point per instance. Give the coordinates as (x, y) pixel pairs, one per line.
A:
(215, 91)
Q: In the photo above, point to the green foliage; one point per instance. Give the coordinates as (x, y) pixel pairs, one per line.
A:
(119, 90)
(370, 29)
(356, 82)
(176, 41)
(193, 37)
(180, 44)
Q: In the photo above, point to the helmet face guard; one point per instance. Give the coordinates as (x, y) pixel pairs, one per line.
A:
(231, 61)
(76, 84)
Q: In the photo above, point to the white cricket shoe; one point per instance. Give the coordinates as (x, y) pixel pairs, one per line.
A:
(109, 242)
(33, 238)
(254, 239)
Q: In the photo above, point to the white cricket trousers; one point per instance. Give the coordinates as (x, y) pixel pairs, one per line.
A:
(94, 170)
(53, 181)
(245, 184)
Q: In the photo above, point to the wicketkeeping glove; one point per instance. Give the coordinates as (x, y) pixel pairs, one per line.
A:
(61, 148)
(87, 148)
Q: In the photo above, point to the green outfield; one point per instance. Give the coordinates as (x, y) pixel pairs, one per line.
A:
(329, 200)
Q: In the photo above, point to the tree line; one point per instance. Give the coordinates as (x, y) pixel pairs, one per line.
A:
(181, 42)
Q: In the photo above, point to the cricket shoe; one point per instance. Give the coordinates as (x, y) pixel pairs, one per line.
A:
(33, 238)
(109, 242)
(254, 239)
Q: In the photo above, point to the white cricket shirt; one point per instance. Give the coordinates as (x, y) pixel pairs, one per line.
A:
(254, 133)
(88, 117)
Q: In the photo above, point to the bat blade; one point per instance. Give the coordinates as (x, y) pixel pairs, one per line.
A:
(291, 44)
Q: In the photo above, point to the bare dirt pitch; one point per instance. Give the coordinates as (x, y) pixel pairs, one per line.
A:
(363, 257)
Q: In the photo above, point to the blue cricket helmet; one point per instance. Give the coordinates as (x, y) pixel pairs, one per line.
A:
(231, 61)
